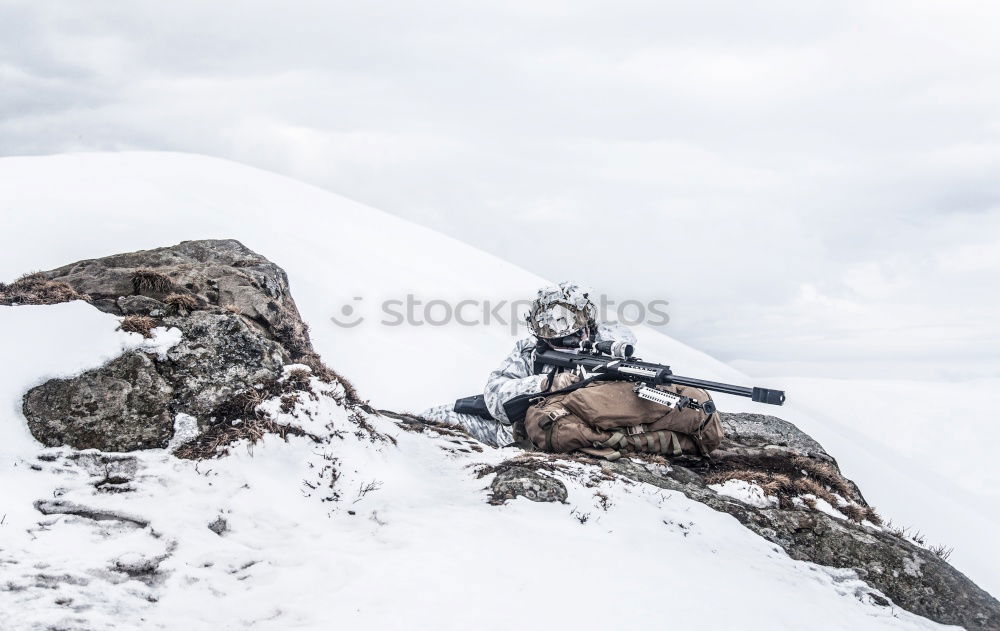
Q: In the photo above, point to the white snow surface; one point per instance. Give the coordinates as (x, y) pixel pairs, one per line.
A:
(424, 548)
(746, 492)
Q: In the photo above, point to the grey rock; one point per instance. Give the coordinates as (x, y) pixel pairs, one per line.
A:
(239, 327)
(136, 565)
(121, 406)
(759, 430)
(139, 304)
(219, 355)
(219, 526)
(103, 466)
(63, 507)
(513, 482)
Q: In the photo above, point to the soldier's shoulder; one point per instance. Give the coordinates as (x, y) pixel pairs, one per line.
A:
(523, 346)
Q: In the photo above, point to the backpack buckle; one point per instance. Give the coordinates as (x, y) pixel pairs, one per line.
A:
(557, 414)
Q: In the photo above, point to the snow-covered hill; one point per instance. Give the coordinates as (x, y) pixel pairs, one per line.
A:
(425, 542)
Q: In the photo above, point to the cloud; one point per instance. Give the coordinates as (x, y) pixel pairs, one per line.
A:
(799, 181)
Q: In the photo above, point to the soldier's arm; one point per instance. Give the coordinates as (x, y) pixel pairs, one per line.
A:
(514, 377)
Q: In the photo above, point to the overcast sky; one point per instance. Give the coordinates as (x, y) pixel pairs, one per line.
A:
(812, 182)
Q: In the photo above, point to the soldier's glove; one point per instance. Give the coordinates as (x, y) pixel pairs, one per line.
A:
(564, 379)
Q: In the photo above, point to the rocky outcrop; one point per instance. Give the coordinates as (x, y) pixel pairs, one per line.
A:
(217, 275)
(239, 327)
(760, 448)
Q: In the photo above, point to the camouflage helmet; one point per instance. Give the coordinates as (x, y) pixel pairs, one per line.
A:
(561, 310)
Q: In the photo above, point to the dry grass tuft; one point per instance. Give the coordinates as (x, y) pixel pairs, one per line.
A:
(147, 280)
(527, 461)
(366, 430)
(36, 289)
(182, 302)
(327, 375)
(855, 512)
(298, 379)
(215, 442)
(143, 325)
(288, 403)
(825, 473)
(942, 552)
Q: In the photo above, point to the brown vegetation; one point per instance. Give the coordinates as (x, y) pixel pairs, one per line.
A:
(787, 480)
(327, 375)
(135, 323)
(298, 379)
(182, 302)
(35, 289)
(147, 280)
(215, 442)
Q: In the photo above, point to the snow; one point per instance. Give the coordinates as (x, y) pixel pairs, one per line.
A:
(746, 492)
(185, 429)
(819, 504)
(423, 548)
(162, 340)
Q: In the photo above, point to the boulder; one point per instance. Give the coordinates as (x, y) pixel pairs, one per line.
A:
(218, 274)
(513, 482)
(121, 406)
(239, 327)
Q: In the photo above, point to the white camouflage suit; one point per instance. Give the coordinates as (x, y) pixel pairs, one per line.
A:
(514, 377)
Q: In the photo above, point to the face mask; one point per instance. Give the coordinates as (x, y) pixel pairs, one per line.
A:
(569, 341)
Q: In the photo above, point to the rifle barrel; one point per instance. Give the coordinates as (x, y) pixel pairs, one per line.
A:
(725, 388)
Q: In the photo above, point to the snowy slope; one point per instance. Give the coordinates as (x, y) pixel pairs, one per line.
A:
(58, 209)
(421, 549)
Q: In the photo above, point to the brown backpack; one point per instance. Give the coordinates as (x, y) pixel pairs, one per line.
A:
(605, 418)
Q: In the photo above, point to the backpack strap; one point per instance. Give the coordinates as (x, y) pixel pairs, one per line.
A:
(618, 440)
(549, 422)
(696, 438)
(521, 439)
(659, 442)
(605, 453)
